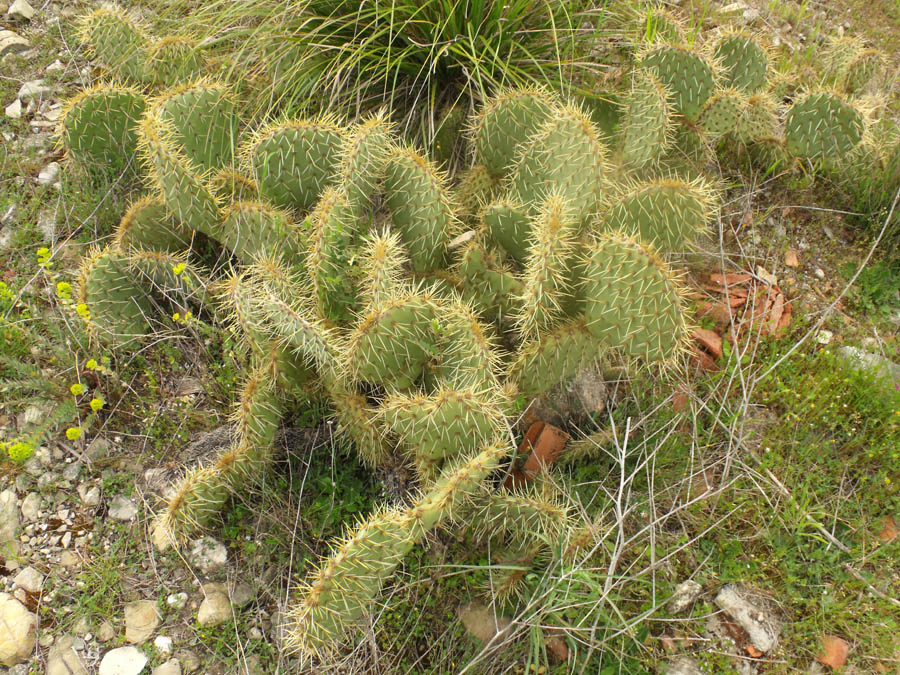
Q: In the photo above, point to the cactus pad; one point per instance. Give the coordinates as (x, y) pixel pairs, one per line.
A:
(632, 301)
(667, 214)
(293, 162)
(99, 127)
(822, 125)
(745, 64)
(687, 75)
(504, 122)
(646, 126)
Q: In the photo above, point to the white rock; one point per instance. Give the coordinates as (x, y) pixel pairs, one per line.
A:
(34, 90)
(20, 11)
(30, 579)
(123, 661)
(31, 507)
(861, 359)
(216, 607)
(824, 337)
(55, 66)
(9, 516)
(14, 110)
(242, 595)
(177, 600)
(48, 175)
(170, 667)
(122, 508)
(163, 643)
(64, 660)
(12, 43)
(90, 496)
(141, 620)
(106, 632)
(18, 627)
(685, 594)
(751, 614)
(208, 554)
(682, 665)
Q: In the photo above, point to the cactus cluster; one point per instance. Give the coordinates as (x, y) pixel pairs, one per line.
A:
(124, 48)
(423, 308)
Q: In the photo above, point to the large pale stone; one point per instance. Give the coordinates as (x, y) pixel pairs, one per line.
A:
(18, 627)
(64, 660)
(29, 579)
(9, 516)
(12, 43)
(481, 621)
(123, 661)
(208, 554)
(20, 10)
(216, 607)
(141, 620)
(752, 612)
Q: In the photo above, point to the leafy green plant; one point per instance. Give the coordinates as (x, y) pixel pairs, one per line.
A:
(414, 56)
(877, 288)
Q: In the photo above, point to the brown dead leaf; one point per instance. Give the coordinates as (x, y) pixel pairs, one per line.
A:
(889, 530)
(679, 401)
(752, 651)
(729, 279)
(668, 643)
(558, 649)
(710, 341)
(791, 259)
(834, 651)
(547, 443)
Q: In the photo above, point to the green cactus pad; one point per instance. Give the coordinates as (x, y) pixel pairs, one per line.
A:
(745, 64)
(230, 186)
(293, 162)
(120, 308)
(383, 261)
(174, 59)
(417, 197)
(507, 223)
(822, 125)
(363, 157)
(185, 191)
(552, 358)
(646, 127)
(445, 423)
(99, 127)
(687, 75)
(504, 122)
(117, 42)
(334, 230)
(861, 71)
(524, 515)
(148, 225)
(393, 342)
(545, 282)
(759, 118)
(486, 283)
(667, 214)
(341, 591)
(722, 113)
(466, 355)
(274, 305)
(564, 157)
(632, 301)
(358, 421)
(202, 121)
(476, 187)
(251, 229)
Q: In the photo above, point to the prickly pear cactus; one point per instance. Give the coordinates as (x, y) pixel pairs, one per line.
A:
(687, 74)
(98, 127)
(822, 126)
(744, 62)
